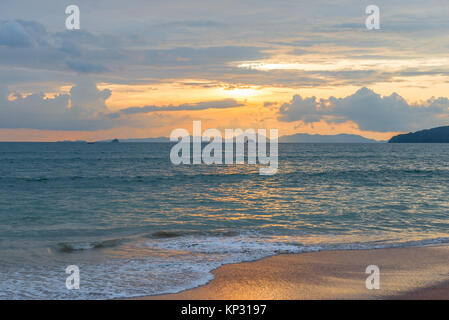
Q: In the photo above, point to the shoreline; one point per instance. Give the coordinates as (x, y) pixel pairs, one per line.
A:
(405, 273)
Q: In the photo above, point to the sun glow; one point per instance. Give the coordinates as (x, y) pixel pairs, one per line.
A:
(237, 92)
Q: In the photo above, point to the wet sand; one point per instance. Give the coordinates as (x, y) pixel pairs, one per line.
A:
(405, 273)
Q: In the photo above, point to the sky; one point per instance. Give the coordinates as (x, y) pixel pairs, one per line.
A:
(139, 69)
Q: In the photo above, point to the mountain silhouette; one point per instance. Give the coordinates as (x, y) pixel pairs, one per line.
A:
(434, 135)
(318, 138)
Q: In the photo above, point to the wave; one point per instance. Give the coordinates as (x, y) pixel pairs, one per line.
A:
(175, 234)
(79, 246)
(247, 247)
(169, 273)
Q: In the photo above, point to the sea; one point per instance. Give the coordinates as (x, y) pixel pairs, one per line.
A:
(134, 224)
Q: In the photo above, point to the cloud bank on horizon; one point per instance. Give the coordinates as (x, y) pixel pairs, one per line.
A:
(294, 65)
(371, 111)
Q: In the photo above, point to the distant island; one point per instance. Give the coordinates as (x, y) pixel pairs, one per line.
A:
(160, 139)
(434, 135)
(294, 138)
(71, 141)
(318, 138)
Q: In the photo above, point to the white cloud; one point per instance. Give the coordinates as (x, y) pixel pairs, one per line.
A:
(82, 109)
(371, 111)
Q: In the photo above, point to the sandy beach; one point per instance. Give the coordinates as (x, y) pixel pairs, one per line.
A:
(405, 273)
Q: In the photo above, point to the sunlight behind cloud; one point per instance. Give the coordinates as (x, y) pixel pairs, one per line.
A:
(348, 64)
(236, 92)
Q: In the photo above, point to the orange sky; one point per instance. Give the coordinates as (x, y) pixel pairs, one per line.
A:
(258, 56)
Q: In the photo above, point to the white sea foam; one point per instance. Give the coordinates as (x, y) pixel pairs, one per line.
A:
(187, 263)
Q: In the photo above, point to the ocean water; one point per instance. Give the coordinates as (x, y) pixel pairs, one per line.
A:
(137, 225)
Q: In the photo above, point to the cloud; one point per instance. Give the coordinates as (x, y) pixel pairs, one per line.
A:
(220, 104)
(173, 42)
(85, 66)
(13, 34)
(193, 24)
(204, 56)
(87, 100)
(29, 45)
(21, 34)
(82, 109)
(371, 111)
